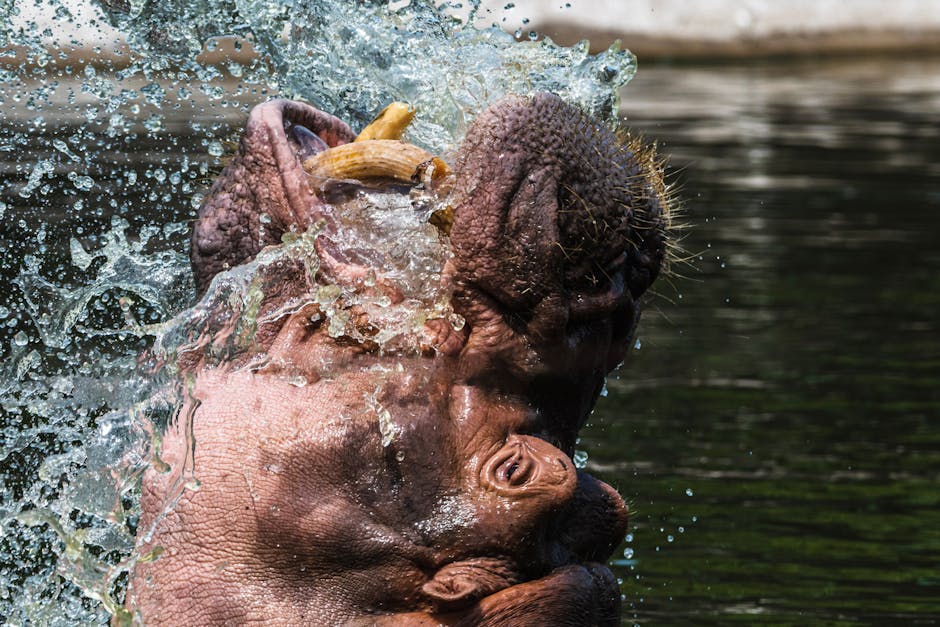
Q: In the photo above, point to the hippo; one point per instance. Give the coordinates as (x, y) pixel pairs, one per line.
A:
(388, 438)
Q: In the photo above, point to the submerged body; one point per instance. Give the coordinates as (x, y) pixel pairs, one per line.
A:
(426, 480)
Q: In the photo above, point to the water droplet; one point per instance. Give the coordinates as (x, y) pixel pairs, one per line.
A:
(21, 339)
(400, 456)
(154, 123)
(628, 553)
(215, 148)
(62, 147)
(387, 427)
(628, 538)
(689, 492)
(638, 344)
(670, 538)
(43, 167)
(327, 294)
(80, 258)
(580, 459)
(456, 321)
(117, 125)
(154, 94)
(81, 182)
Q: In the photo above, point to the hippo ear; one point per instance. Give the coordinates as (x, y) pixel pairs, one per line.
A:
(461, 584)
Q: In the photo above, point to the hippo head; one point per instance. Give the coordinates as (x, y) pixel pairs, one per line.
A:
(394, 443)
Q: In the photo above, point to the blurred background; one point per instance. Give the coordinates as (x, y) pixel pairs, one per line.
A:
(776, 429)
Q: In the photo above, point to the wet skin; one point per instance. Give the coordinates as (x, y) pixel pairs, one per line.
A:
(425, 486)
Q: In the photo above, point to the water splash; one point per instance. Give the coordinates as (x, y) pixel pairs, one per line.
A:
(104, 161)
(353, 58)
(76, 412)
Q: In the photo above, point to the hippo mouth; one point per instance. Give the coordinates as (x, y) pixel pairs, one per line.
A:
(377, 159)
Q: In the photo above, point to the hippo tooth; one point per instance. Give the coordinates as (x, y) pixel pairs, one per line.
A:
(377, 159)
(309, 142)
(390, 123)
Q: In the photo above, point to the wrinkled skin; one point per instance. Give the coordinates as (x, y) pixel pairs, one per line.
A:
(473, 513)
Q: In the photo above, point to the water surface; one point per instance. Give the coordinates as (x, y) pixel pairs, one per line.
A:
(777, 431)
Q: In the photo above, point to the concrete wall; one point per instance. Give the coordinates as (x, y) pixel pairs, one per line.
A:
(736, 27)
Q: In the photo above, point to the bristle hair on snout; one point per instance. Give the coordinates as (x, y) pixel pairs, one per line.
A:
(653, 176)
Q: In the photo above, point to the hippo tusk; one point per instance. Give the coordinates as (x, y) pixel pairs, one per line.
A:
(378, 159)
(390, 123)
(378, 153)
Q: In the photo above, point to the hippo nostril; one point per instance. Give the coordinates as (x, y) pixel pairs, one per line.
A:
(308, 142)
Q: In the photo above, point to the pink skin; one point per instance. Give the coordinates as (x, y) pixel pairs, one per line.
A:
(472, 513)
(288, 528)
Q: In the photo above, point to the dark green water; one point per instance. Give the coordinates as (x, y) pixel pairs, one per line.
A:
(789, 375)
(777, 432)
